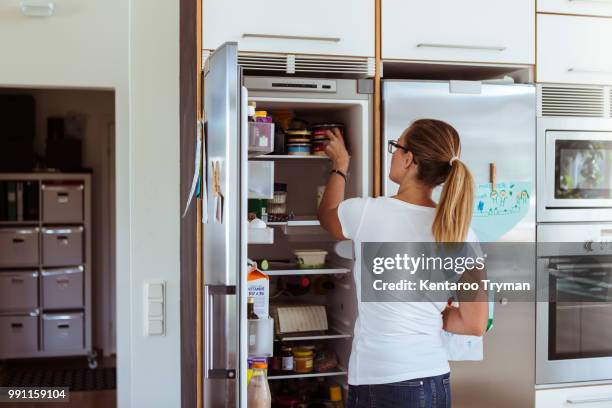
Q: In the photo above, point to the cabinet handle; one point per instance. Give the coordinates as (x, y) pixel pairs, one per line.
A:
(462, 46)
(18, 240)
(16, 325)
(588, 71)
(17, 280)
(63, 326)
(291, 37)
(589, 400)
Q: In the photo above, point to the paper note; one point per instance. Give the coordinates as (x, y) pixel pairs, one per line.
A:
(196, 168)
(498, 210)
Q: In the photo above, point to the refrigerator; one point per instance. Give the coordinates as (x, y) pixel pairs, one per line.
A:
(235, 170)
(497, 126)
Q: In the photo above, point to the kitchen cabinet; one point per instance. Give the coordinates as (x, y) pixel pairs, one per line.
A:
(500, 31)
(339, 27)
(585, 7)
(598, 396)
(574, 49)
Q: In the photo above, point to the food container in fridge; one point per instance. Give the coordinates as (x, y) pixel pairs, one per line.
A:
(310, 258)
(261, 138)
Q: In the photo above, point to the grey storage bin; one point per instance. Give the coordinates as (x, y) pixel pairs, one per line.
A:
(62, 246)
(62, 288)
(19, 335)
(62, 202)
(18, 290)
(18, 247)
(62, 331)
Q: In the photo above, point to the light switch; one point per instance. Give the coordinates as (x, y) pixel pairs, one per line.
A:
(156, 291)
(155, 328)
(156, 309)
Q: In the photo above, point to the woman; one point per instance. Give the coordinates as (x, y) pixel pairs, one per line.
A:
(398, 359)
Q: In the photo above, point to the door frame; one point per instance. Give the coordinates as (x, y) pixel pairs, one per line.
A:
(190, 64)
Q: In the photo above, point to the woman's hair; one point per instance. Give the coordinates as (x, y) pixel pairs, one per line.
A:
(435, 146)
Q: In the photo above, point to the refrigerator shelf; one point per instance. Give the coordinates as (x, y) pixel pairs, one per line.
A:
(329, 335)
(322, 271)
(340, 371)
(288, 157)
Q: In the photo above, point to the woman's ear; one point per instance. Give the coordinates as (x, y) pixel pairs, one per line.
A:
(408, 160)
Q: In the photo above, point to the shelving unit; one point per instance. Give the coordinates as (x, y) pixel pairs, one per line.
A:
(45, 269)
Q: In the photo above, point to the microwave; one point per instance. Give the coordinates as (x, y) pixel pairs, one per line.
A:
(574, 167)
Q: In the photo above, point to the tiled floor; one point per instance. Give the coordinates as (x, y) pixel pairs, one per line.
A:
(81, 399)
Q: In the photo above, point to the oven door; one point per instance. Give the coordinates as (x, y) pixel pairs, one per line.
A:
(574, 329)
(578, 169)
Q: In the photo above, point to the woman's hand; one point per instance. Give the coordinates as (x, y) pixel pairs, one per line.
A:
(336, 151)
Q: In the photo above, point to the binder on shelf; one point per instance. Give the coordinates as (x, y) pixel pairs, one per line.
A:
(3, 202)
(11, 200)
(19, 201)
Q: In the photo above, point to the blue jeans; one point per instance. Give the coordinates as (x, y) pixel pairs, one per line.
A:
(429, 392)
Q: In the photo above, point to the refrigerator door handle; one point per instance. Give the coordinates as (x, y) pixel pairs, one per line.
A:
(210, 291)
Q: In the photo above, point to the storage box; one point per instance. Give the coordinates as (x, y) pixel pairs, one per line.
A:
(63, 331)
(261, 138)
(62, 202)
(62, 246)
(62, 288)
(19, 335)
(18, 247)
(299, 318)
(18, 290)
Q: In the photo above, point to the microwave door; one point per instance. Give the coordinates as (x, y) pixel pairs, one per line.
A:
(578, 169)
(222, 236)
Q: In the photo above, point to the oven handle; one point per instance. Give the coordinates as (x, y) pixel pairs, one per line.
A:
(588, 400)
(569, 267)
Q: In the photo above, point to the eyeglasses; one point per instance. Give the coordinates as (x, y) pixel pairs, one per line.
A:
(393, 145)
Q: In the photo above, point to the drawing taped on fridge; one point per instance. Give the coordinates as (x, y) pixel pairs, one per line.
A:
(499, 209)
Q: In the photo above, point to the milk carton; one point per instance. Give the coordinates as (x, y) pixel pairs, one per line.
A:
(258, 287)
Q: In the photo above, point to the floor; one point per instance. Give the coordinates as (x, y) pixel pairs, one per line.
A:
(82, 399)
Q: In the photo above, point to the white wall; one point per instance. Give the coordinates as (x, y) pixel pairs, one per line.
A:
(131, 47)
(154, 130)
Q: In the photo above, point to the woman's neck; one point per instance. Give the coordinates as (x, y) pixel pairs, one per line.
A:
(416, 194)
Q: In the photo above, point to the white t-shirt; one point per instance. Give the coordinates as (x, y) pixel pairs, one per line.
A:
(393, 341)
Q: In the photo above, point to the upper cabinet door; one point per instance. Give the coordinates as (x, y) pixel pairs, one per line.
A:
(337, 27)
(588, 7)
(499, 31)
(574, 50)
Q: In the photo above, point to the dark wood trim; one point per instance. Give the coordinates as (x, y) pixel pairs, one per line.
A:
(189, 68)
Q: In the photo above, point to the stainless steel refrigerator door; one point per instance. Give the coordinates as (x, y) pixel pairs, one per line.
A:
(497, 124)
(222, 238)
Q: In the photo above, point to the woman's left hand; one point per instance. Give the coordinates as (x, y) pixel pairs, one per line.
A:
(336, 150)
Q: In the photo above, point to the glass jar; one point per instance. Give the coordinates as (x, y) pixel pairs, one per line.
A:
(303, 360)
(287, 358)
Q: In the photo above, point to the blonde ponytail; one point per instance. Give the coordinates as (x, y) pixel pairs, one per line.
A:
(454, 210)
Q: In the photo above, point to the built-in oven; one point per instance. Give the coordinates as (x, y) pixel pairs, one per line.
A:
(574, 169)
(574, 309)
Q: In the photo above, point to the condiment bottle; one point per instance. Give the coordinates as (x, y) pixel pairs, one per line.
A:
(335, 396)
(258, 391)
(251, 309)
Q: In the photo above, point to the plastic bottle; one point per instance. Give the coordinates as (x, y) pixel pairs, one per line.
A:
(258, 391)
(335, 396)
